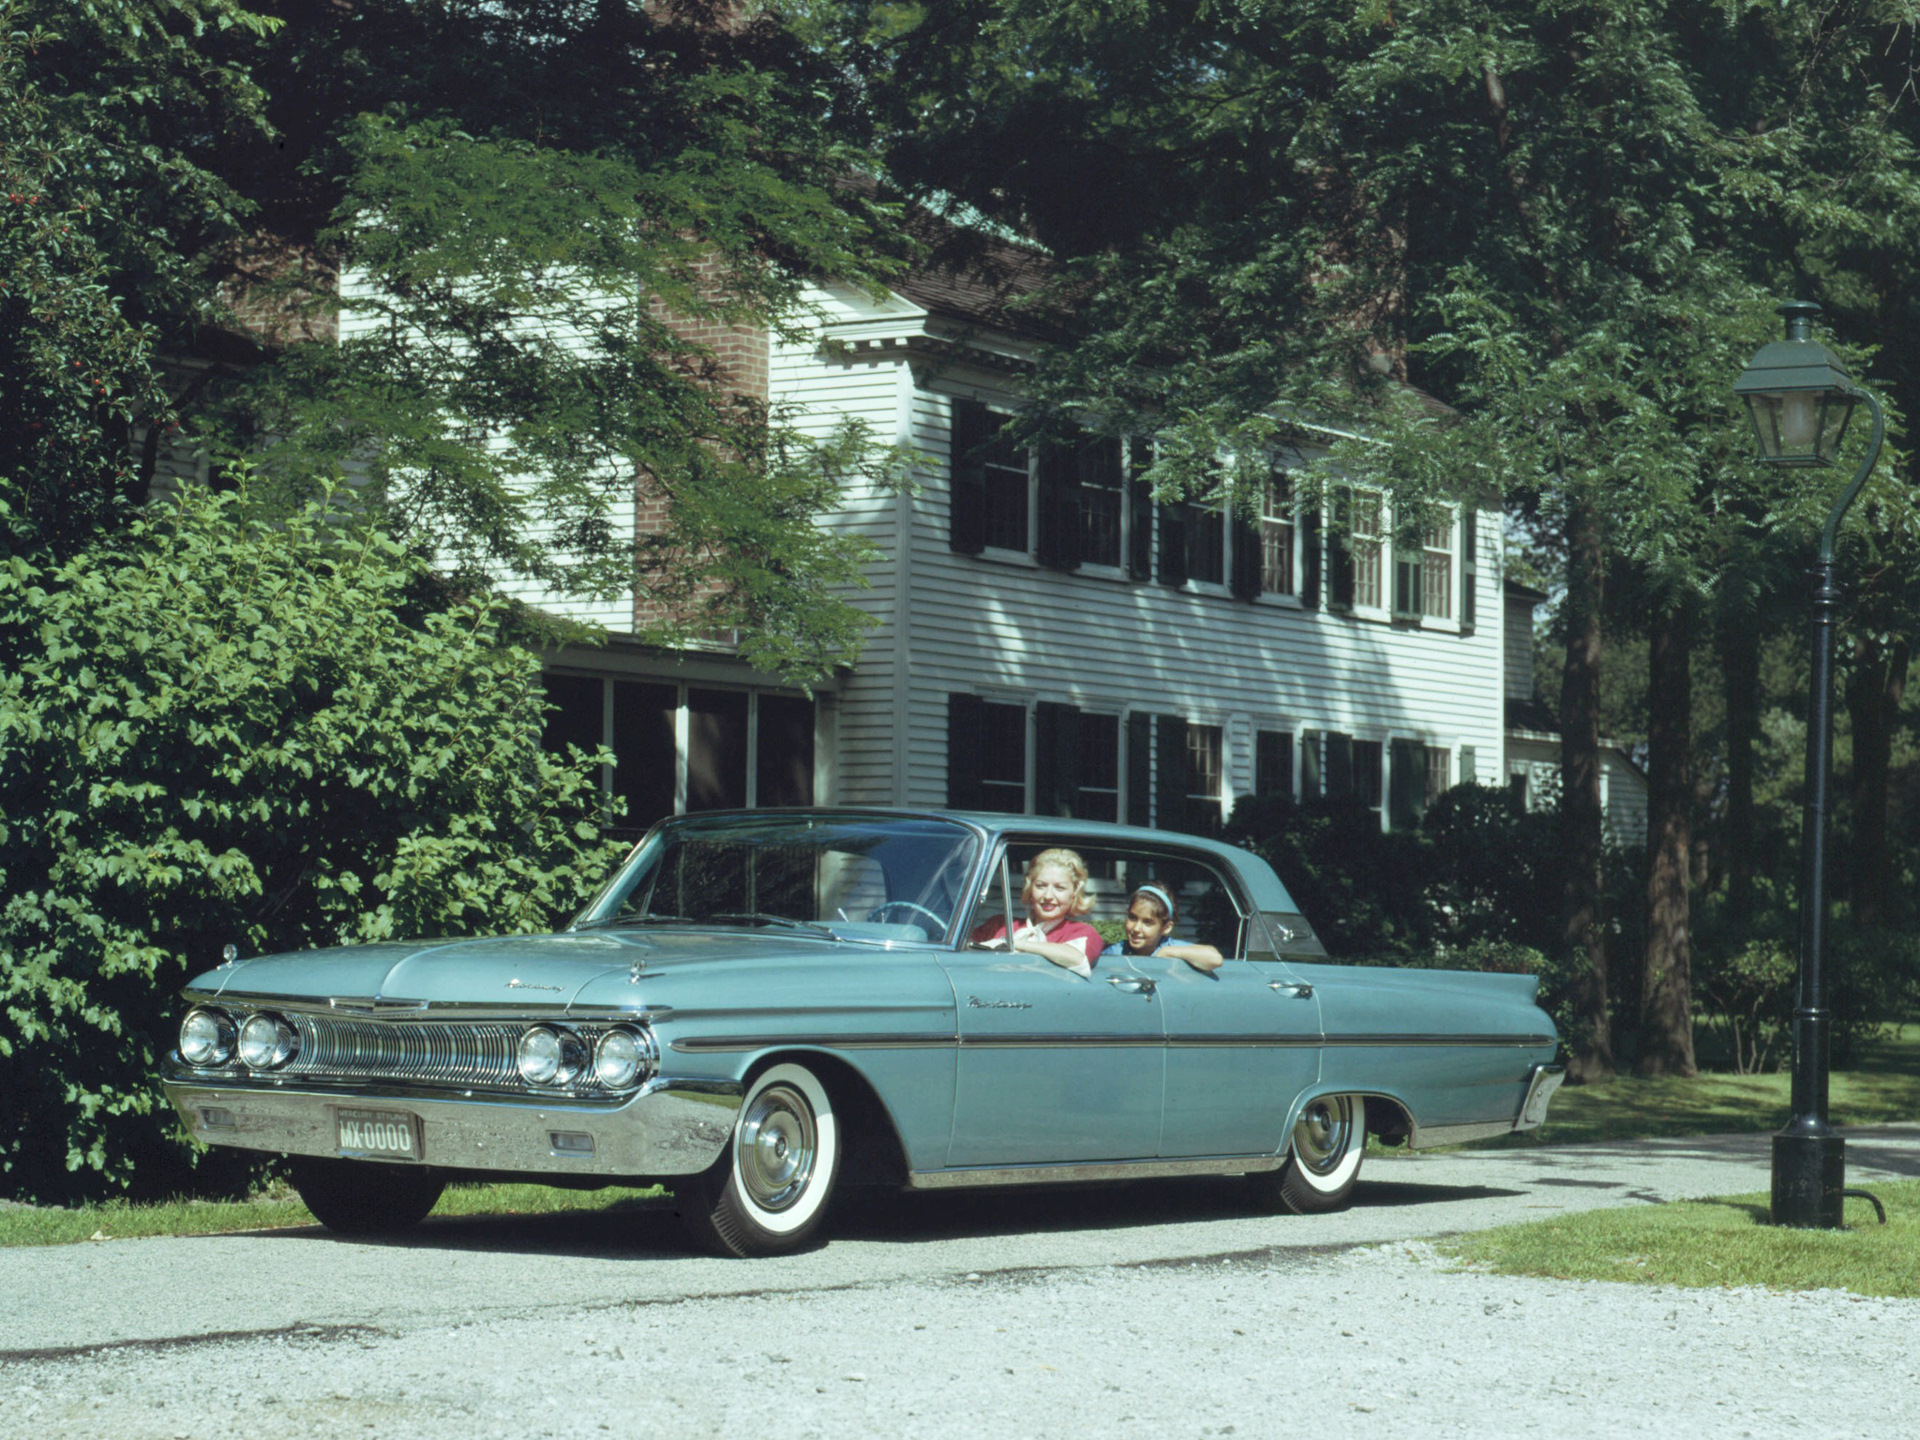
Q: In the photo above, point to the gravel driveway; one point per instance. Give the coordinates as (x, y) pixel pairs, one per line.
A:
(1152, 1309)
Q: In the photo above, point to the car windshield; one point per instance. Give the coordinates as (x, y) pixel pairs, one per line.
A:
(846, 876)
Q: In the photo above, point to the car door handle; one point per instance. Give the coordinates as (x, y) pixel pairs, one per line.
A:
(1292, 987)
(1138, 984)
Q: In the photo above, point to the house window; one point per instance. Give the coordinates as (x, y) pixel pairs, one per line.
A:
(1276, 537)
(1421, 773)
(1008, 491)
(684, 748)
(1075, 759)
(1366, 783)
(1204, 775)
(1102, 507)
(1003, 758)
(1272, 763)
(1423, 576)
(1098, 793)
(1334, 766)
(1364, 547)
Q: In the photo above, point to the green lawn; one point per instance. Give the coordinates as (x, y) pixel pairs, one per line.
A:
(1883, 1086)
(276, 1208)
(1710, 1243)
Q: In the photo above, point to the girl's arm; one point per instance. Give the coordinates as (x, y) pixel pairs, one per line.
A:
(1200, 957)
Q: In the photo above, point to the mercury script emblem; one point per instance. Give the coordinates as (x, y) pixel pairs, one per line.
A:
(527, 985)
(974, 1002)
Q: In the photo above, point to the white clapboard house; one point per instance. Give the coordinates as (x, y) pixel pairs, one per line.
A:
(1047, 638)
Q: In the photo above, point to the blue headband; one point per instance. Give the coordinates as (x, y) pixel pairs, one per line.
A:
(1162, 896)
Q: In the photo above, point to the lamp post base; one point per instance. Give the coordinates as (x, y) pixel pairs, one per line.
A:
(1809, 1176)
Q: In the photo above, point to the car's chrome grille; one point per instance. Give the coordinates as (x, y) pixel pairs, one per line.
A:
(464, 1054)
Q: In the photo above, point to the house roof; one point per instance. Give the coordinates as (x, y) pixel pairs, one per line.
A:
(1516, 591)
(979, 279)
(1533, 714)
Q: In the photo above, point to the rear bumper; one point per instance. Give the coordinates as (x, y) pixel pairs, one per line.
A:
(669, 1127)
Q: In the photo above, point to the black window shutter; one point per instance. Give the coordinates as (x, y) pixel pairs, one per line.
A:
(1173, 542)
(1310, 557)
(1139, 768)
(1056, 759)
(966, 717)
(1246, 557)
(1171, 781)
(1469, 565)
(973, 426)
(1339, 770)
(1139, 512)
(1339, 555)
(1060, 522)
(1407, 784)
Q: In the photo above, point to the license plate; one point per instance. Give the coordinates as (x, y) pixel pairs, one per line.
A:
(385, 1134)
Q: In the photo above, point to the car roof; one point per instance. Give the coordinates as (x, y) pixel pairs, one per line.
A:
(1264, 888)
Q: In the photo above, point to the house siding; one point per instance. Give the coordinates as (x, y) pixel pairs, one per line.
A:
(1002, 627)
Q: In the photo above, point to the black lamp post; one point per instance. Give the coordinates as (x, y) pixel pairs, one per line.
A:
(1800, 397)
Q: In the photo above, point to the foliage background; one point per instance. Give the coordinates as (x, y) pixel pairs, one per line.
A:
(217, 729)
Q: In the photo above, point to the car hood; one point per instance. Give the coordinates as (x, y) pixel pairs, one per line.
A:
(537, 970)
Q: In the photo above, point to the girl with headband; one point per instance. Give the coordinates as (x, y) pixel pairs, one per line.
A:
(1149, 929)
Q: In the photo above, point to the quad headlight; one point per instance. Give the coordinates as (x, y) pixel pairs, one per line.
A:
(266, 1042)
(542, 1056)
(554, 1055)
(623, 1058)
(206, 1038)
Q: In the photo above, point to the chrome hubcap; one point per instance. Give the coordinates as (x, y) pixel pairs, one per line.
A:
(776, 1147)
(1324, 1134)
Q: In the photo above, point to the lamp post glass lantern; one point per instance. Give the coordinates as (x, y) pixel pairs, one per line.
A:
(1800, 398)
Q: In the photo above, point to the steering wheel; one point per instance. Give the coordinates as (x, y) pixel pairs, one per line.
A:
(875, 915)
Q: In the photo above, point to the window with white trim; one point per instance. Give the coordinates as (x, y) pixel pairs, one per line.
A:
(1277, 537)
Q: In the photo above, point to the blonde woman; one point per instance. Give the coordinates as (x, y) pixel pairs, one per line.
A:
(1055, 894)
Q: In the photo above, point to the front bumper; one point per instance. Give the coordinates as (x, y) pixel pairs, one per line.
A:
(668, 1127)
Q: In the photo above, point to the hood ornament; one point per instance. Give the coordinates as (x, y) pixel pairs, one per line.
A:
(229, 954)
(636, 970)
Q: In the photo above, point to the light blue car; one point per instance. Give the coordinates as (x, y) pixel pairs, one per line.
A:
(760, 1007)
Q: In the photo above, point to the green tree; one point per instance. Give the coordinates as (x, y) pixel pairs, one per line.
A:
(218, 729)
(98, 224)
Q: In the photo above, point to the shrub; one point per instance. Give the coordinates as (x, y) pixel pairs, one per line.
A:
(217, 730)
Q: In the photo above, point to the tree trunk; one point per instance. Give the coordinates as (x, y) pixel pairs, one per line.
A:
(1740, 664)
(1666, 1017)
(1591, 1045)
(1874, 691)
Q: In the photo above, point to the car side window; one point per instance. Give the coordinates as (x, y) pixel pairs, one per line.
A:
(1208, 907)
(997, 901)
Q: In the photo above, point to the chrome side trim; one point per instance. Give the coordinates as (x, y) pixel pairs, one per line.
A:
(728, 1044)
(976, 1175)
(1425, 1137)
(1518, 1042)
(1249, 1041)
(671, 1127)
(709, 1044)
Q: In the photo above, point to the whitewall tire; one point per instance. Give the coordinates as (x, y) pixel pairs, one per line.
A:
(768, 1192)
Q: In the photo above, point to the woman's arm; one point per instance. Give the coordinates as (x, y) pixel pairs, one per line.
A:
(1067, 954)
(1200, 957)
